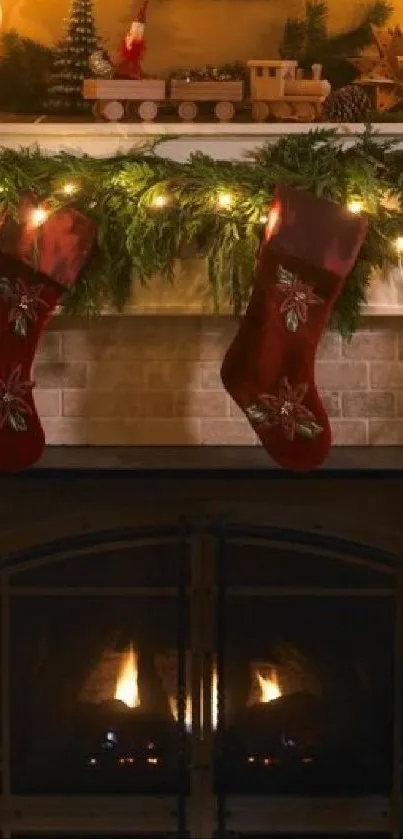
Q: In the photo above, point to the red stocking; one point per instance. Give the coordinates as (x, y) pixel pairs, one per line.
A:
(28, 298)
(268, 370)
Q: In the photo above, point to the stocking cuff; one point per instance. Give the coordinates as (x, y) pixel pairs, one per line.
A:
(63, 242)
(314, 230)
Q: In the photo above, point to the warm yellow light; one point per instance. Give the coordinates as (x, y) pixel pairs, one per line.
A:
(160, 201)
(38, 216)
(269, 687)
(127, 689)
(399, 244)
(263, 219)
(225, 200)
(70, 188)
(355, 205)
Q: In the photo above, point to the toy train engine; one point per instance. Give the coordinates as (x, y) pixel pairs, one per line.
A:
(279, 91)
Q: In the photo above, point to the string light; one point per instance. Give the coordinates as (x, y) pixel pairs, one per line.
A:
(225, 200)
(263, 219)
(273, 219)
(38, 216)
(160, 201)
(70, 188)
(355, 205)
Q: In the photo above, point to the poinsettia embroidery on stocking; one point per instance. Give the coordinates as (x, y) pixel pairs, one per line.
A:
(286, 411)
(24, 301)
(14, 404)
(298, 297)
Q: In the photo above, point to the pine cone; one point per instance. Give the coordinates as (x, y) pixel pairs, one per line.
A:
(349, 104)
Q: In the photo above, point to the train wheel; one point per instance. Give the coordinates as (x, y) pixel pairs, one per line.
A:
(305, 111)
(224, 111)
(260, 111)
(187, 111)
(281, 110)
(113, 111)
(148, 111)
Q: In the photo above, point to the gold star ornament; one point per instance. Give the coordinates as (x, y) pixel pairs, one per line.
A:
(383, 72)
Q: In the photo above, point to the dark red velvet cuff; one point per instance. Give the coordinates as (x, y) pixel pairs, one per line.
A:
(314, 231)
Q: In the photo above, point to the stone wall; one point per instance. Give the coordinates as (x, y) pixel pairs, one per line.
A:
(154, 380)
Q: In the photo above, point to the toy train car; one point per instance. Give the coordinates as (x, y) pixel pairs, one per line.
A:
(277, 91)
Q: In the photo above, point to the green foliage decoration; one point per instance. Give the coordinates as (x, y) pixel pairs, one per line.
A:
(25, 68)
(308, 41)
(137, 239)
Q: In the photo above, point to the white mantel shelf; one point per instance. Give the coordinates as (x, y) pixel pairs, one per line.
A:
(222, 141)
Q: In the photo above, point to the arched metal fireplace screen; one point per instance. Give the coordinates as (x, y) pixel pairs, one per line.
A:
(201, 680)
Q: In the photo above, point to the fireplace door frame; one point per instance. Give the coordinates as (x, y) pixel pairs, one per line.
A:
(203, 542)
(379, 815)
(98, 814)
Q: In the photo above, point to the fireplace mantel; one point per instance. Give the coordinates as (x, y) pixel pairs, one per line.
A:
(221, 141)
(348, 461)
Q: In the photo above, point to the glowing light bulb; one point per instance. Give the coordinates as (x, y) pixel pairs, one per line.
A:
(399, 244)
(263, 219)
(355, 205)
(225, 200)
(69, 188)
(160, 201)
(39, 216)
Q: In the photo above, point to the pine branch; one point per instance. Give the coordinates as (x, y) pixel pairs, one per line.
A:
(347, 44)
(293, 43)
(308, 42)
(138, 240)
(316, 26)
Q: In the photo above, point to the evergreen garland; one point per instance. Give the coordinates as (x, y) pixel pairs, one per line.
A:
(138, 238)
(70, 64)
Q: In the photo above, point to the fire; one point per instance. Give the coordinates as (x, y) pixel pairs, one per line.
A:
(127, 687)
(269, 687)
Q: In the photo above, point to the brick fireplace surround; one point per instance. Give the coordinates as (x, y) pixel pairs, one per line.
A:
(154, 380)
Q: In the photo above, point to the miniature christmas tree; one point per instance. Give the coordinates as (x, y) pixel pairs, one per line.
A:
(70, 65)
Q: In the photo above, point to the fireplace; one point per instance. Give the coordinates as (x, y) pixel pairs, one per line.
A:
(176, 664)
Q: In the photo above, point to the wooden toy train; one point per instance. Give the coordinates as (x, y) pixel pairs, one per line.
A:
(277, 91)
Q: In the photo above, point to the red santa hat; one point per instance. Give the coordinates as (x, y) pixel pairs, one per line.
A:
(133, 47)
(141, 17)
(138, 24)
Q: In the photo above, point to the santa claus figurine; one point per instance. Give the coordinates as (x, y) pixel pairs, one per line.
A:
(133, 48)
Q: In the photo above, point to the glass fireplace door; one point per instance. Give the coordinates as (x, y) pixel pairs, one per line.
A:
(309, 643)
(96, 734)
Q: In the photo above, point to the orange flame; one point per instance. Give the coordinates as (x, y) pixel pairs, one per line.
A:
(127, 686)
(269, 687)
